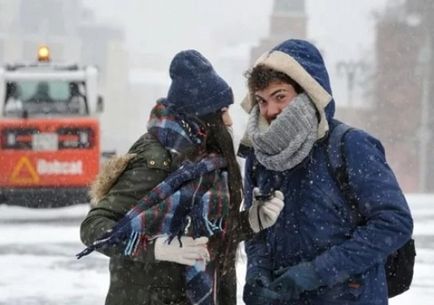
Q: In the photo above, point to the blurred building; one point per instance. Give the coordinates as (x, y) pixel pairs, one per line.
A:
(288, 20)
(404, 91)
(69, 29)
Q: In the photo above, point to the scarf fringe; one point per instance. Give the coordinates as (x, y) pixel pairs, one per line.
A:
(213, 227)
(136, 242)
(199, 226)
(95, 245)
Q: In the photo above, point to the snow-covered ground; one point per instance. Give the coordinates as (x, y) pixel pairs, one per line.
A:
(38, 266)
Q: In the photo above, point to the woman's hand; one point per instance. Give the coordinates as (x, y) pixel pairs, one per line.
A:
(188, 251)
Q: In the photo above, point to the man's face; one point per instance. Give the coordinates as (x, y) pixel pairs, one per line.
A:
(273, 99)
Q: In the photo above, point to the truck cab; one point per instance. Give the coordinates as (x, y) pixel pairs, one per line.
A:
(49, 132)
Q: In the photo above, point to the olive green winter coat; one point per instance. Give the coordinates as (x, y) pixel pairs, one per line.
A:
(142, 280)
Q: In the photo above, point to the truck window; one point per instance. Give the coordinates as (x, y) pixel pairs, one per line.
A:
(42, 91)
(46, 98)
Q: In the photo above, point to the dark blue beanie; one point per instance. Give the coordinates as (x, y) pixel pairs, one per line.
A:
(196, 88)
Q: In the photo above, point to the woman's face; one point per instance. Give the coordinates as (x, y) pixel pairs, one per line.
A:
(227, 120)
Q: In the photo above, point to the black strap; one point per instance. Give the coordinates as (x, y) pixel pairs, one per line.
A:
(336, 154)
(337, 164)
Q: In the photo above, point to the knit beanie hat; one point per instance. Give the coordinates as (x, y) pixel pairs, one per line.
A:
(196, 88)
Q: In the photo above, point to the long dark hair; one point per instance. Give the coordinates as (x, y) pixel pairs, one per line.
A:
(220, 140)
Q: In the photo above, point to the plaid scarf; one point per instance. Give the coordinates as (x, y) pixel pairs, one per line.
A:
(192, 200)
(180, 134)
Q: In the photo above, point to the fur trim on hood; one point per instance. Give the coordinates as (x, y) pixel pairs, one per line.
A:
(110, 172)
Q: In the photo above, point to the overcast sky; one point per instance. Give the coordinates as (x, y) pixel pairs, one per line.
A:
(342, 29)
(170, 25)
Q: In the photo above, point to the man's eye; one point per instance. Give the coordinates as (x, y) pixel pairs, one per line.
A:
(260, 101)
(280, 97)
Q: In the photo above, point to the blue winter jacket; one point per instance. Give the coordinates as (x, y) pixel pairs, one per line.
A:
(317, 225)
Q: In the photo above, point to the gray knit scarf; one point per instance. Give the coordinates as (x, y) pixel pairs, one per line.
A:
(289, 138)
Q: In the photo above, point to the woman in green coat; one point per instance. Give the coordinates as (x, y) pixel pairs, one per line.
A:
(167, 213)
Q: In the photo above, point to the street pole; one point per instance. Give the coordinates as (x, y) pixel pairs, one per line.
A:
(351, 69)
(424, 132)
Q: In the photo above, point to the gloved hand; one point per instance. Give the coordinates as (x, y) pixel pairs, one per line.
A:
(191, 251)
(256, 292)
(292, 281)
(263, 214)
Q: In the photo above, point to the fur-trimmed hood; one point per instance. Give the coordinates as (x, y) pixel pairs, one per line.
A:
(108, 175)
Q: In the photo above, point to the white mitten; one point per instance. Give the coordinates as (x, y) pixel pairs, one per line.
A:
(192, 250)
(263, 214)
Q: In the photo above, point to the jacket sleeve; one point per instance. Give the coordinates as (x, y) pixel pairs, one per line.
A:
(258, 259)
(388, 223)
(142, 174)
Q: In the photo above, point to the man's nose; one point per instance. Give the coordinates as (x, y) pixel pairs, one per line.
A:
(272, 112)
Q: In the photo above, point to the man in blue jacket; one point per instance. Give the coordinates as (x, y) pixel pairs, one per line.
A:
(318, 252)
